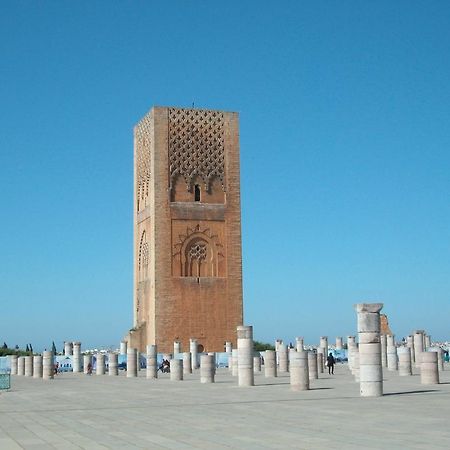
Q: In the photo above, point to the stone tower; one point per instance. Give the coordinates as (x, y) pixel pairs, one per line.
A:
(187, 229)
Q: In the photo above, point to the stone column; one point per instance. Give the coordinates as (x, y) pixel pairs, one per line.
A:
(123, 348)
(13, 364)
(404, 361)
(320, 359)
(230, 362)
(138, 360)
(299, 344)
(299, 371)
(257, 363)
(234, 367)
(282, 358)
(131, 363)
(193, 348)
(176, 348)
(392, 363)
(207, 368)
(152, 363)
(76, 360)
(355, 364)
(324, 344)
(48, 371)
(113, 361)
(383, 339)
(100, 364)
(370, 370)
(410, 345)
(440, 355)
(270, 364)
(418, 347)
(429, 372)
(187, 364)
(28, 371)
(21, 366)
(228, 347)
(351, 346)
(67, 348)
(37, 366)
(176, 370)
(427, 338)
(312, 365)
(246, 376)
(87, 359)
(339, 343)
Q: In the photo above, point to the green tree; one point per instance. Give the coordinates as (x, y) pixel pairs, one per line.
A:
(261, 346)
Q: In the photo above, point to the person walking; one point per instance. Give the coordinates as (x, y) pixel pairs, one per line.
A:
(330, 363)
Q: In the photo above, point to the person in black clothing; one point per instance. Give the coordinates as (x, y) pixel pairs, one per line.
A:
(330, 363)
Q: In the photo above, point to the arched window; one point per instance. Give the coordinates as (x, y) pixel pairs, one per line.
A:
(197, 193)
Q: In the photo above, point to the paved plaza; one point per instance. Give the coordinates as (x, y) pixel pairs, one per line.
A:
(98, 412)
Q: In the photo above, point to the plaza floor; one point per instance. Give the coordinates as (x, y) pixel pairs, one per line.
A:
(76, 411)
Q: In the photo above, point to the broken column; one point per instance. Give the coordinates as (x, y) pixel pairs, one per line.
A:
(282, 358)
(383, 341)
(429, 372)
(228, 347)
(87, 359)
(370, 369)
(131, 363)
(28, 369)
(404, 361)
(37, 366)
(13, 364)
(113, 364)
(76, 360)
(339, 343)
(427, 340)
(245, 356)
(207, 368)
(176, 370)
(418, 346)
(312, 365)
(324, 345)
(48, 371)
(152, 363)
(440, 355)
(193, 348)
(270, 363)
(410, 345)
(123, 348)
(257, 363)
(100, 364)
(320, 359)
(67, 348)
(187, 364)
(234, 366)
(351, 345)
(299, 372)
(176, 348)
(391, 351)
(299, 344)
(21, 366)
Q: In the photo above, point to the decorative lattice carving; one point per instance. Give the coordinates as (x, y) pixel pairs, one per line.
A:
(143, 134)
(196, 146)
(143, 252)
(198, 251)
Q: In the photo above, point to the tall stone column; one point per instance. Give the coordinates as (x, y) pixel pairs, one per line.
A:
(299, 371)
(245, 356)
(48, 371)
(404, 361)
(339, 343)
(113, 364)
(207, 368)
(418, 347)
(100, 364)
(13, 364)
(28, 370)
(427, 339)
(351, 346)
(429, 372)
(176, 348)
(37, 366)
(439, 352)
(299, 342)
(410, 345)
(270, 363)
(76, 360)
(152, 363)
(324, 344)
(320, 359)
(131, 363)
(21, 366)
(193, 348)
(187, 363)
(383, 339)
(370, 370)
(312, 365)
(228, 347)
(282, 358)
(87, 359)
(176, 370)
(67, 348)
(123, 348)
(234, 366)
(257, 363)
(392, 363)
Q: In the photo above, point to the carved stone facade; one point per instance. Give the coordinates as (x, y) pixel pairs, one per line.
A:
(187, 268)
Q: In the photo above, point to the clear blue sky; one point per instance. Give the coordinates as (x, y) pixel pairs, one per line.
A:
(345, 149)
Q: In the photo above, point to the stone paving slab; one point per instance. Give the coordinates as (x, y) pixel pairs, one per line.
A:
(76, 411)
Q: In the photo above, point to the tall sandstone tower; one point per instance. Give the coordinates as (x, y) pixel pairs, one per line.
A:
(187, 229)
